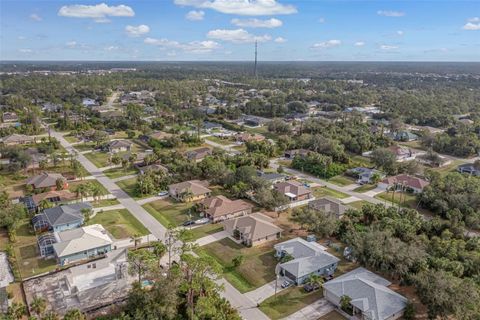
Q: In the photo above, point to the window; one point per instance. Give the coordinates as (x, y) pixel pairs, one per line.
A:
(94, 265)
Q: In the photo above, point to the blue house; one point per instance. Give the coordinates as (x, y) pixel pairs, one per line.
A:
(306, 259)
(61, 218)
(81, 243)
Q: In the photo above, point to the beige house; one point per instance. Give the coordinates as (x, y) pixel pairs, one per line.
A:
(253, 229)
(187, 191)
(15, 139)
(221, 208)
(293, 190)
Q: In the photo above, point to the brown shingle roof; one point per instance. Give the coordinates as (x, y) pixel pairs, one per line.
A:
(293, 187)
(64, 195)
(197, 187)
(253, 226)
(406, 180)
(221, 205)
(45, 180)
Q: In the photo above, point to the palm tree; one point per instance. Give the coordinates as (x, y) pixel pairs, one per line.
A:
(74, 314)
(38, 305)
(16, 311)
(315, 280)
(96, 192)
(159, 249)
(136, 238)
(45, 204)
(82, 191)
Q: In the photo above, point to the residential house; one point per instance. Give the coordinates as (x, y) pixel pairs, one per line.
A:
(255, 121)
(16, 139)
(10, 117)
(369, 293)
(187, 191)
(272, 177)
(365, 175)
(32, 203)
(290, 154)
(247, 137)
(198, 154)
(81, 243)
(253, 229)
(305, 258)
(403, 182)
(329, 205)
(403, 135)
(116, 146)
(87, 102)
(294, 190)
(221, 208)
(210, 126)
(402, 153)
(160, 135)
(469, 168)
(153, 168)
(61, 218)
(47, 180)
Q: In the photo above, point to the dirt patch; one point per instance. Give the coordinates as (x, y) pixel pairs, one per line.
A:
(411, 295)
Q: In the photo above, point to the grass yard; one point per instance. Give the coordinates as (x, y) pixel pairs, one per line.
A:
(206, 230)
(332, 315)
(289, 301)
(452, 167)
(408, 200)
(98, 158)
(365, 188)
(120, 223)
(257, 269)
(72, 186)
(357, 204)
(221, 141)
(119, 172)
(28, 256)
(341, 180)
(71, 139)
(168, 212)
(86, 146)
(325, 191)
(104, 203)
(130, 187)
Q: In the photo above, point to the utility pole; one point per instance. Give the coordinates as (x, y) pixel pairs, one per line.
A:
(255, 68)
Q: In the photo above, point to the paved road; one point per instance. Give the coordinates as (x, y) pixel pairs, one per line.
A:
(155, 227)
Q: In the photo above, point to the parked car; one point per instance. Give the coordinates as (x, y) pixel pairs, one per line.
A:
(286, 284)
(311, 287)
(327, 278)
(202, 221)
(188, 223)
(162, 193)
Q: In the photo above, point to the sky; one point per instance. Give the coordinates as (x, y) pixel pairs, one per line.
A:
(285, 30)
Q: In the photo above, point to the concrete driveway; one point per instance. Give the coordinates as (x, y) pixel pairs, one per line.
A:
(212, 238)
(266, 291)
(313, 311)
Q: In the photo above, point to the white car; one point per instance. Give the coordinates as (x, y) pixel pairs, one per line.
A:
(202, 221)
(162, 193)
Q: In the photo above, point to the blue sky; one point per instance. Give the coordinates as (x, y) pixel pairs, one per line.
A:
(285, 30)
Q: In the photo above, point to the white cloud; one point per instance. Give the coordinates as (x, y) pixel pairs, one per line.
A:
(21, 38)
(71, 44)
(400, 33)
(321, 20)
(388, 47)
(236, 36)
(111, 48)
(359, 44)
(25, 50)
(389, 13)
(35, 17)
(195, 15)
(327, 44)
(241, 7)
(98, 12)
(137, 31)
(280, 40)
(472, 24)
(257, 23)
(193, 46)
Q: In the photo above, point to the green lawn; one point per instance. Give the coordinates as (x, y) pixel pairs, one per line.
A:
(341, 180)
(72, 186)
(365, 188)
(325, 191)
(289, 301)
(119, 172)
(130, 187)
(168, 212)
(452, 167)
(221, 141)
(404, 198)
(86, 146)
(28, 256)
(257, 269)
(332, 315)
(104, 203)
(71, 139)
(98, 158)
(357, 204)
(120, 223)
(206, 230)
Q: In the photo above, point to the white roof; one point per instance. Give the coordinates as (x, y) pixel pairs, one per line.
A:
(81, 239)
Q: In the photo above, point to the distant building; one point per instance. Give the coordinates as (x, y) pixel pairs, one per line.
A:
(87, 102)
(403, 153)
(220, 208)
(247, 137)
(187, 191)
(198, 154)
(365, 175)
(116, 146)
(160, 135)
(61, 218)
(10, 117)
(253, 229)
(404, 136)
(469, 168)
(290, 154)
(329, 205)
(47, 180)
(369, 293)
(16, 139)
(404, 182)
(271, 177)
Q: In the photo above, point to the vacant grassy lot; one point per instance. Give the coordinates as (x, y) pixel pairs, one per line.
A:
(332, 315)
(130, 187)
(168, 212)
(365, 188)
(98, 158)
(357, 204)
(73, 186)
(289, 301)
(257, 269)
(71, 139)
(86, 146)
(342, 180)
(221, 141)
(28, 256)
(325, 191)
(120, 223)
(405, 199)
(119, 172)
(104, 203)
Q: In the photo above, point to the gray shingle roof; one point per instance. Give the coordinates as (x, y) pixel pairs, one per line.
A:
(65, 214)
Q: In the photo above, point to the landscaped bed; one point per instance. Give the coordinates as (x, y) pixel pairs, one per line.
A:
(289, 301)
(120, 223)
(170, 213)
(257, 269)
